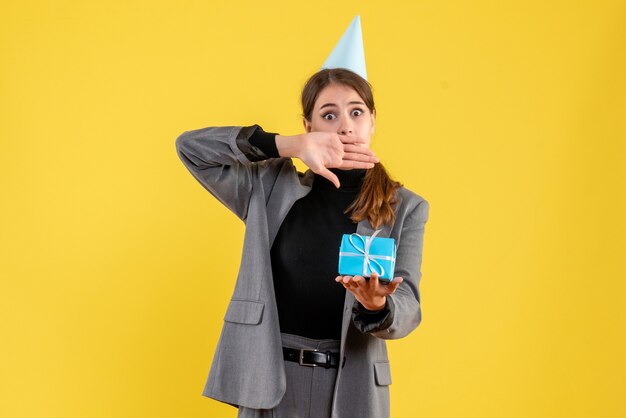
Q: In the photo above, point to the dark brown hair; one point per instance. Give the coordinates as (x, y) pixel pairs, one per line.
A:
(378, 195)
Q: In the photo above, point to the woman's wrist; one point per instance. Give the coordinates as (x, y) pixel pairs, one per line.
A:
(288, 146)
(377, 305)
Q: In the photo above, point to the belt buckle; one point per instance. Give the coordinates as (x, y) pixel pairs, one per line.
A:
(301, 360)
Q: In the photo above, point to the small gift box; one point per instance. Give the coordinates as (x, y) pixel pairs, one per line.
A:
(361, 255)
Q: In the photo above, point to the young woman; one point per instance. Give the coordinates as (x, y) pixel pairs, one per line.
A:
(298, 340)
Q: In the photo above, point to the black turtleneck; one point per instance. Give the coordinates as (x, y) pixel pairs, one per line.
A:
(305, 253)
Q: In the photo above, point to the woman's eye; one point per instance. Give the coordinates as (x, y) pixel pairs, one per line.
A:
(329, 116)
(357, 112)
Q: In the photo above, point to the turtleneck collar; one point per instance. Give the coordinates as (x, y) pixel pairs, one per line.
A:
(349, 180)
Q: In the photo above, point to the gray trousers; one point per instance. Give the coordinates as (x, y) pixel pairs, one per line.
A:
(309, 389)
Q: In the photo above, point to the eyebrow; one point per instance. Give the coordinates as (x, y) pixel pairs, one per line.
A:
(334, 105)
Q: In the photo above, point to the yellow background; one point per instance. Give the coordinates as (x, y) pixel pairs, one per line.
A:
(116, 266)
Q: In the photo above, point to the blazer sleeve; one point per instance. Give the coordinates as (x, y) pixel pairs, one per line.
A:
(224, 161)
(402, 312)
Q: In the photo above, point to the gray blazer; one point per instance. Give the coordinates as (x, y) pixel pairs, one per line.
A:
(247, 366)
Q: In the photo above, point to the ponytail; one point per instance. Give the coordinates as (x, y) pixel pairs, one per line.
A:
(377, 198)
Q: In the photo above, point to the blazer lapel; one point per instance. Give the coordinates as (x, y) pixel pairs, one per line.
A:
(364, 228)
(283, 199)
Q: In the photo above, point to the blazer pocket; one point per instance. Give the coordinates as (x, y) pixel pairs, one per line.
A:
(382, 373)
(244, 312)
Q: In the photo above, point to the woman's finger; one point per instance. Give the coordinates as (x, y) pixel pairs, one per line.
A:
(359, 281)
(358, 149)
(352, 285)
(393, 285)
(354, 156)
(356, 164)
(348, 139)
(374, 283)
(397, 280)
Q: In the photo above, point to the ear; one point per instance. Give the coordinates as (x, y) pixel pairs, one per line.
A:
(306, 124)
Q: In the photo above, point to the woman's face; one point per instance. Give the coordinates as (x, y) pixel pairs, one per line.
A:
(340, 109)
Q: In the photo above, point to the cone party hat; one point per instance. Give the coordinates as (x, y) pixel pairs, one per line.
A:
(348, 52)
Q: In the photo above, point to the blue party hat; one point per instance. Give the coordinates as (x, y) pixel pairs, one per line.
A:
(349, 50)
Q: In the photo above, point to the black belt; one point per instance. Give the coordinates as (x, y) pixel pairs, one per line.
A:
(312, 358)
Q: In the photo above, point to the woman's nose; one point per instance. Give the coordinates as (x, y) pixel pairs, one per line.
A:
(345, 129)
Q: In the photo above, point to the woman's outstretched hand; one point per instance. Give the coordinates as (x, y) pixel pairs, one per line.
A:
(323, 150)
(371, 293)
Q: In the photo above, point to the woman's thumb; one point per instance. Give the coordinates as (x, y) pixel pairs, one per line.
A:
(326, 173)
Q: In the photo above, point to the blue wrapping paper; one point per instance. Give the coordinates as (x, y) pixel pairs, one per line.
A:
(361, 255)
